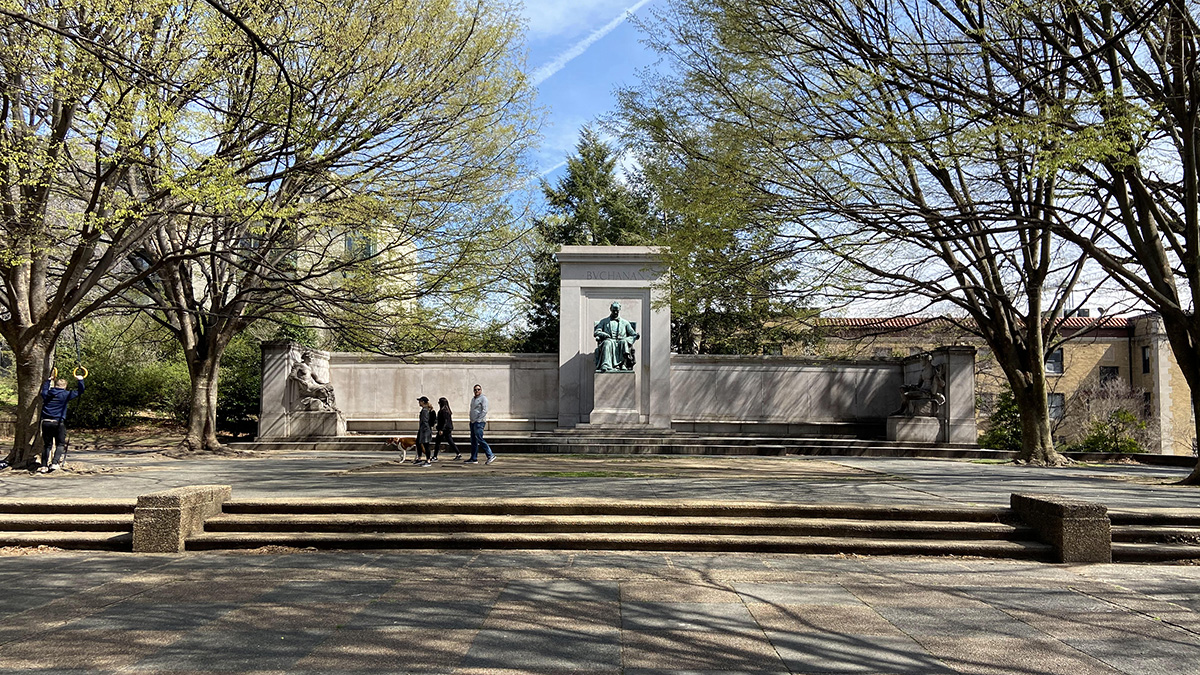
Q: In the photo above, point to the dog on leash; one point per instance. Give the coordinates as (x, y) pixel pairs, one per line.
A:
(400, 444)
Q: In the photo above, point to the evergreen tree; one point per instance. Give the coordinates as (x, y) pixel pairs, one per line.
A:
(589, 206)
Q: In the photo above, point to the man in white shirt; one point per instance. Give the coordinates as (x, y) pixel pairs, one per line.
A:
(479, 411)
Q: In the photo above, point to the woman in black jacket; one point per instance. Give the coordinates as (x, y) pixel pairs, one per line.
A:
(425, 424)
(445, 425)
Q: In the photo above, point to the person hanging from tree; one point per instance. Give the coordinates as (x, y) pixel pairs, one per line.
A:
(54, 421)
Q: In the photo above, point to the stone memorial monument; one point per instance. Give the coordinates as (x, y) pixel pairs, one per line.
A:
(298, 401)
(603, 379)
(937, 399)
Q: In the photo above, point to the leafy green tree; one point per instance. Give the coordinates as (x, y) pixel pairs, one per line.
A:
(730, 292)
(724, 288)
(375, 182)
(92, 95)
(1004, 425)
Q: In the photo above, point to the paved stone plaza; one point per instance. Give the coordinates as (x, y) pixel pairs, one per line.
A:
(596, 612)
(468, 612)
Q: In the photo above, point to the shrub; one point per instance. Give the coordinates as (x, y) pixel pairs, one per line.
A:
(1004, 425)
(1119, 432)
(133, 368)
(240, 384)
(1104, 418)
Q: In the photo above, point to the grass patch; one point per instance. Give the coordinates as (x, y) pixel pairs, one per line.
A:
(991, 461)
(591, 474)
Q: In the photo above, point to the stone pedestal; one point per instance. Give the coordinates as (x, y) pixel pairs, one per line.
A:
(309, 424)
(615, 400)
(913, 429)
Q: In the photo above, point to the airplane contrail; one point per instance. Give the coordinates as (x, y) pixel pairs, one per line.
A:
(546, 71)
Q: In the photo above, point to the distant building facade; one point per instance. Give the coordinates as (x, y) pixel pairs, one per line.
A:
(1130, 355)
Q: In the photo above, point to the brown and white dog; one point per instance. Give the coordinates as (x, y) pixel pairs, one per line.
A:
(401, 443)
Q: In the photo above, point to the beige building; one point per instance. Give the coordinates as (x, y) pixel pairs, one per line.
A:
(1128, 357)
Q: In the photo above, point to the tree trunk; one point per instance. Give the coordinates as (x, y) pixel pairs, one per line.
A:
(32, 369)
(1037, 443)
(202, 415)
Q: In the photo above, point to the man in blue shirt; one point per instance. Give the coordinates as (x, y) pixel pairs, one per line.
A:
(54, 421)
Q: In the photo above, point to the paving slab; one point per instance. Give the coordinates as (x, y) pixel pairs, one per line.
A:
(799, 479)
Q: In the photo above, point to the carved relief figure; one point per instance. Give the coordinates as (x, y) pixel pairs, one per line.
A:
(614, 342)
(931, 388)
(314, 394)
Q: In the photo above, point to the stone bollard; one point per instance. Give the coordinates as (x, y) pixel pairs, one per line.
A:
(162, 521)
(1079, 531)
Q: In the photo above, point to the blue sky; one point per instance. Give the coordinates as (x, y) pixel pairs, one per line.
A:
(581, 51)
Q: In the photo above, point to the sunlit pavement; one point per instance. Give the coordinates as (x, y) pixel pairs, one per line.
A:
(461, 612)
(289, 611)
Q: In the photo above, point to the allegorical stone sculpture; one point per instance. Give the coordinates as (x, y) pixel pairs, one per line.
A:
(614, 342)
(931, 388)
(314, 394)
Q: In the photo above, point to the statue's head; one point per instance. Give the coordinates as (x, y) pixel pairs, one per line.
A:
(615, 308)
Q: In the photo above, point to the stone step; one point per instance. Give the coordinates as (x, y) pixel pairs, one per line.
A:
(92, 541)
(46, 506)
(619, 541)
(1156, 517)
(1128, 552)
(450, 523)
(661, 509)
(82, 522)
(1165, 534)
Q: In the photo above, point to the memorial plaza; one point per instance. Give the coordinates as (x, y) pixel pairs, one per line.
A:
(291, 610)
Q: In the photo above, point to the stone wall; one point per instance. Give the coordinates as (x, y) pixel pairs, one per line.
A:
(782, 396)
(710, 394)
(378, 393)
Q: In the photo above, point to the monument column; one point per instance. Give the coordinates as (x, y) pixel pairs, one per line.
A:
(594, 277)
(958, 413)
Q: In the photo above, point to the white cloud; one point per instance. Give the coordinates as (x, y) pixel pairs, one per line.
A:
(548, 18)
(547, 70)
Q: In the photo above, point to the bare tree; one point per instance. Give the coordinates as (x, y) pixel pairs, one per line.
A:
(1123, 115)
(830, 120)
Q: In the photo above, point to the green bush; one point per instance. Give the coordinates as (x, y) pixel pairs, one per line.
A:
(1119, 432)
(1004, 425)
(240, 384)
(133, 369)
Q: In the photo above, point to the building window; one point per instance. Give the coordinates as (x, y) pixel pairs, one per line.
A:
(1109, 374)
(1147, 405)
(1054, 362)
(1057, 404)
(359, 246)
(1146, 360)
